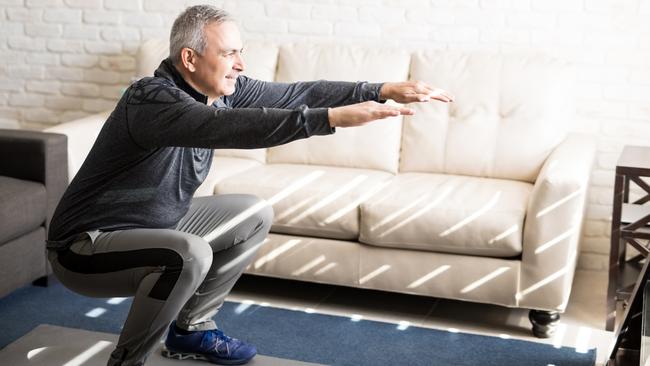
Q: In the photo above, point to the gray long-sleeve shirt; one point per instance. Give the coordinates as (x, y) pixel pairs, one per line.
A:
(155, 149)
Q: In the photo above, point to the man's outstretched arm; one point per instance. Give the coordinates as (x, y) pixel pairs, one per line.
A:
(251, 93)
(159, 114)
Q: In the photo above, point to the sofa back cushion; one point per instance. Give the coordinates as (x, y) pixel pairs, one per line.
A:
(260, 60)
(374, 146)
(510, 112)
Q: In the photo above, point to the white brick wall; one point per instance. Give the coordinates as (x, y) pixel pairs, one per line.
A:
(63, 59)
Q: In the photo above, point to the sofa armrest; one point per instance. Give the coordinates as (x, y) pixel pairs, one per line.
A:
(82, 134)
(36, 156)
(554, 223)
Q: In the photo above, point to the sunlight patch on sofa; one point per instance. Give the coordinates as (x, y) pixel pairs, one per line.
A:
(559, 202)
(330, 198)
(474, 215)
(355, 203)
(276, 252)
(554, 241)
(428, 276)
(480, 282)
(325, 269)
(309, 266)
(374, 274)
(419, 212)
(399, 212)
(262, 204)
(289, 211)
(309, 178)
(511, 230)
(546, 280)
(243, 257)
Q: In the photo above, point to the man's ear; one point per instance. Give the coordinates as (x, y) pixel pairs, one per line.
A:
(188, 58)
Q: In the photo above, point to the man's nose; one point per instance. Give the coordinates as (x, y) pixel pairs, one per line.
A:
(239, 63)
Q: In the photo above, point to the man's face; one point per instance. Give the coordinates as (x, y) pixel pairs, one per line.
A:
(219, 65)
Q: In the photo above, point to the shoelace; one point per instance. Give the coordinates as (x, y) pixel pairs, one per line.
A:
(215, 338)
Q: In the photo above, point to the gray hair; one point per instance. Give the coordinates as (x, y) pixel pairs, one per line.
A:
(187, 30)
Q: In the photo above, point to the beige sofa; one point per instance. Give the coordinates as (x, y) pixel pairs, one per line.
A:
(479, 200)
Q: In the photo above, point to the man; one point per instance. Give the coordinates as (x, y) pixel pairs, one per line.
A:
(127, 224)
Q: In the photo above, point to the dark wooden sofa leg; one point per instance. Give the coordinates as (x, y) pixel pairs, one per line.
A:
(41, 281)
(544, 322)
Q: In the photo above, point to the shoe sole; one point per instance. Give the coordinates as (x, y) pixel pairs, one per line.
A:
(199, 357)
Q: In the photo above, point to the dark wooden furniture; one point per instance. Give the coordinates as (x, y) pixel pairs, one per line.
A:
(630, 225)
(632, 332)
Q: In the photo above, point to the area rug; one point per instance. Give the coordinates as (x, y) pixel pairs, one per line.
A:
(294, 335)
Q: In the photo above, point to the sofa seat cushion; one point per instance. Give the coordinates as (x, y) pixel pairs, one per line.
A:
(22, 209)
(447, 213)
(310, 200)
(223, 167)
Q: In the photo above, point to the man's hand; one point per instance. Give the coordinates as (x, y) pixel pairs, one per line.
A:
(413, 91)
(361, 113)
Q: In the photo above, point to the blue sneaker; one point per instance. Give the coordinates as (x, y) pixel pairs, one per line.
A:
(208, 345)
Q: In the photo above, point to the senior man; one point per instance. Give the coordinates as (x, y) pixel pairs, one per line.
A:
(128, 225)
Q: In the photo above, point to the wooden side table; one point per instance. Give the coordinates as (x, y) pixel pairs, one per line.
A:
(630, 223)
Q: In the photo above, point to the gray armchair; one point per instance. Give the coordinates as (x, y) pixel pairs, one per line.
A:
(33, 176)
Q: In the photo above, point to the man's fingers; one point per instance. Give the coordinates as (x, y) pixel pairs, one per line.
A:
(385, 113)
(441, 94)
(406, 111)
(390, 111)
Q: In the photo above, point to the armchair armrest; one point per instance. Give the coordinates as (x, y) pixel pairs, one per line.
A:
(554, 223)
(39, 157)
(82, 134)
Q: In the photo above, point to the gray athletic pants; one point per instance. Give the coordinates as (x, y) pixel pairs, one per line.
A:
(172, 273)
